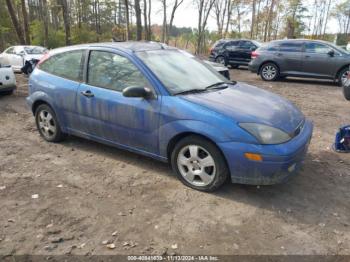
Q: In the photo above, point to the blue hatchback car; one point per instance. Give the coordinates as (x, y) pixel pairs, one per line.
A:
(166, 104)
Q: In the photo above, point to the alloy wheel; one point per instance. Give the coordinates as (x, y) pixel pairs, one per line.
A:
(47, 124)
(220, 60)
(196, 165)
(269, 72)
(344, 77)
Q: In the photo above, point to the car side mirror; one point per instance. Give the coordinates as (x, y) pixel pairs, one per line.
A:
(331, 53)
(253, 48)
(137, 91)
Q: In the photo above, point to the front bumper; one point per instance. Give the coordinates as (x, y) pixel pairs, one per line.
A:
(278, 164)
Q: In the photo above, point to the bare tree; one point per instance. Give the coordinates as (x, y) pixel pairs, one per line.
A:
(15, 22)
(204, 8)
(66, 21)
(138, 20)
(253, 19)
(46, 23)
(164, 27)
(25, 22)
(127, 32)
(149, 20)
(145, 19)
(175, 6)
(220, 9)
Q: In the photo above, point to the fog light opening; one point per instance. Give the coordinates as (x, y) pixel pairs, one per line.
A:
(253, 157)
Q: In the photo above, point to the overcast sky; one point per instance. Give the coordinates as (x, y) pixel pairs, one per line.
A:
(187, 15)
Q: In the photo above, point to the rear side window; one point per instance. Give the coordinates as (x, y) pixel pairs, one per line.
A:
(112, 71)
(67, 65)
(316, 48)
(246, 45)
(290, 47)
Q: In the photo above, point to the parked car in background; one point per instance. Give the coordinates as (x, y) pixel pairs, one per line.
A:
(300, 58)
(233, 52)
(160, 102)
(7, 80)
(16, 56)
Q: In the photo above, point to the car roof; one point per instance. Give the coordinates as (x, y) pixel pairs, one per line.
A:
(300, 40)
(129, 47)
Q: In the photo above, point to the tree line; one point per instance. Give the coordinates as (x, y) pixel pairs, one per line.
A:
(54, 23)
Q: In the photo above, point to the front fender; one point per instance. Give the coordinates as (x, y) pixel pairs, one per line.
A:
(174, 128)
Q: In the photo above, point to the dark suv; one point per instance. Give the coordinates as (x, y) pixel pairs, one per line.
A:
(300, 58)
(233, 52)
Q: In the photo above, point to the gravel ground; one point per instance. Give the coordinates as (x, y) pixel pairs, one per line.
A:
(90, 195)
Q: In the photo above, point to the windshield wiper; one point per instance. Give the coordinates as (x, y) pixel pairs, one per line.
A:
(218, 85)
(191, 91)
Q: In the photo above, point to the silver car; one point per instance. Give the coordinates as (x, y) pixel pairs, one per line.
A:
(300, 58)
(16, 56)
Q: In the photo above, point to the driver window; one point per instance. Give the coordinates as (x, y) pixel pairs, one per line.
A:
(112, 71)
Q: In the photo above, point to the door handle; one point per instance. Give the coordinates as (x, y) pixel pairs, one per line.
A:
(307, 56)
(279, 54)
(87, 93)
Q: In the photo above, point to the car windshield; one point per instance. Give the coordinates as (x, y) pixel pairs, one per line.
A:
(179, 71)
(36, 50)
(338, 48)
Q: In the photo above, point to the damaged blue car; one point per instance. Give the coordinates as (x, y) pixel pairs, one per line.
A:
(160, 102)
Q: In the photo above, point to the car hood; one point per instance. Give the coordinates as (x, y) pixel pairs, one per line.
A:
(246, 103)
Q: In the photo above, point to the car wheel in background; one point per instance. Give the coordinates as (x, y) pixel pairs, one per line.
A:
(220, 60)
(199, 164)
(47, 124)
(269, 72)
(343, 76)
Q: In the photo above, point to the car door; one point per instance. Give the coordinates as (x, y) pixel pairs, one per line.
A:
(245, 51)
(61, 76)
(231, 50)
(106, 114)
(317, 61)
(289, 58)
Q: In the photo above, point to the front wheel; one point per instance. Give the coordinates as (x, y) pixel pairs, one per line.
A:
(269, 72)
(47, 124)
(220, 60)
(199, 164)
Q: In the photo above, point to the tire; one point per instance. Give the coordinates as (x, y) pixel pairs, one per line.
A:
(47, 124)
(269, 72)
(342, 73)
(346, 90)
(221, 60)
(195, 172)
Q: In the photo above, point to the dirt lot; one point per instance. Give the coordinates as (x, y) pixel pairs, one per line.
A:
(87, 192)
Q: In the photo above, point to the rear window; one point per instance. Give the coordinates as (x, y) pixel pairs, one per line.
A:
(67, 65)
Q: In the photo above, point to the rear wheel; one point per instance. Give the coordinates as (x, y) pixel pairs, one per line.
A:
(199, 164)
(47, 124)
(269, 72)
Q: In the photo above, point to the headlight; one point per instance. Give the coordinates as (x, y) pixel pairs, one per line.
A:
(266, 134)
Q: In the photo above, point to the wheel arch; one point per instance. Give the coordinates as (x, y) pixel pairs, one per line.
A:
(341, 69)
(38, 103)
(175, 139)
